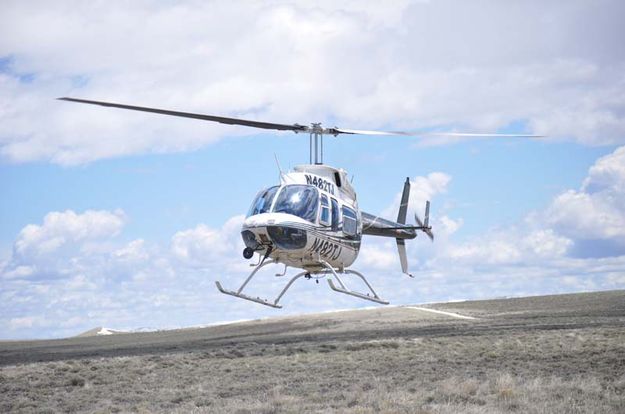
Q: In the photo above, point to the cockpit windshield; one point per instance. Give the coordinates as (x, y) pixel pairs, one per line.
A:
(262, 202)
(299, 200)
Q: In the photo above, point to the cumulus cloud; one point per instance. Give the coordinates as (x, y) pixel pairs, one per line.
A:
(204, 247)
(60, 243)
(583, 223)
(74, 271)
(382, 253)
(512, 246)
(574, 243)
(422, 189)
(594, 215)
(353, 63)
(62, 228)
(90, 276)
(557, 69)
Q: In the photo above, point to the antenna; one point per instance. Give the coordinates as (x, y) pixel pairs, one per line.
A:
(279, 168)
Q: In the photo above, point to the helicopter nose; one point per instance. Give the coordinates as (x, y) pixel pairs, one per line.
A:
(249, 238)
(288, 238)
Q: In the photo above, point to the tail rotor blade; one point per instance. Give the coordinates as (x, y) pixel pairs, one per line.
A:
(424, 227)
(418, 220)
(427, 214)
(429, 233)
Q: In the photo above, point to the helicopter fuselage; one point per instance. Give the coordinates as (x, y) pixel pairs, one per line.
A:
(310, 218)
(298, 243)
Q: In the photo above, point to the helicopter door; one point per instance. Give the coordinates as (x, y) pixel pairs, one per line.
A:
(350, 222)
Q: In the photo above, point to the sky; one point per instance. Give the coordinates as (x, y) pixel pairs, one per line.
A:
(126, 220)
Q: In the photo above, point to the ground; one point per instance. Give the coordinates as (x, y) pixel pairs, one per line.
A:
(549, 354)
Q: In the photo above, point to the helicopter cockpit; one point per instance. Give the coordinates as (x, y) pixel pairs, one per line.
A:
(296, 199)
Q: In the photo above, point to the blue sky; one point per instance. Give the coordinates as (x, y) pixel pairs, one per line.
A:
(163, 193)
(125, 220)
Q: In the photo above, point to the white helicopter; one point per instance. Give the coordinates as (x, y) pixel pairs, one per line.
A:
(311, 219)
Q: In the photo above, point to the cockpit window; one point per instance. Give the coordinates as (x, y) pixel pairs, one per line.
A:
(299, 200)
(262, 202)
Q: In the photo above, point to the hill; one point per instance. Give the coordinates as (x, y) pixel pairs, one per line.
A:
(561, 353)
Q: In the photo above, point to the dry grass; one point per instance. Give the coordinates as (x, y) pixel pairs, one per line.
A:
(558, 371)
(522, 365)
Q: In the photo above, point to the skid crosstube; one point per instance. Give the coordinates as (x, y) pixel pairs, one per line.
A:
(329, 270)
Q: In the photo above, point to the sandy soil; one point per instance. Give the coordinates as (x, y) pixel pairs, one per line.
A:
(542, 354)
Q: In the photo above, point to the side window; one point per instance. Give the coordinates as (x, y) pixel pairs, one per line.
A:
(350, 223)
(335, 215)
(325, 210)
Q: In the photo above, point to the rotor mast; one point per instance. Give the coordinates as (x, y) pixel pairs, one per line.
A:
(316, 141)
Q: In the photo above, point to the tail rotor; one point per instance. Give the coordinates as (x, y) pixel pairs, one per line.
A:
(424, 225)
(401, 219)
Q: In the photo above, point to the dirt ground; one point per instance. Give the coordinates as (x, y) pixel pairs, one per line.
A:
(549, 354)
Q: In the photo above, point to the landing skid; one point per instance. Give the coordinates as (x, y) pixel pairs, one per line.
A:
(266, 302)
(329, 270)
(343, 288)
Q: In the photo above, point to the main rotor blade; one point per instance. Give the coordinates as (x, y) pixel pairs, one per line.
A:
(336, 131)
(470, 134)
(283, 127)
(220, 119)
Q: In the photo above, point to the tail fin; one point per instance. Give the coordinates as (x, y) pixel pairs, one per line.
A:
(401, 219)
(403, 206)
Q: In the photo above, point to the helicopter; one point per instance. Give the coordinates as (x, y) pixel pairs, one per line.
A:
(311, 219)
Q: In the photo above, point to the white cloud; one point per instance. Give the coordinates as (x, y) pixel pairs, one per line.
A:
(584, 223)
(594, 216)
(512, 246)
(378, 254)
(422, 189)
(93, 278)
(133, 252)
(23, 322)
(61, 236)
(410, 65)
(203, 246)
(19, 272)
(558, 68)
(545, 244)
(574, 243)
